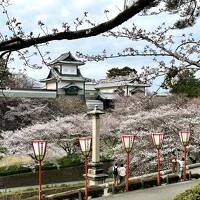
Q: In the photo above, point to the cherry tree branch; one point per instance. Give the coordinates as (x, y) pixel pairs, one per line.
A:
(18, 43)
(171, 53)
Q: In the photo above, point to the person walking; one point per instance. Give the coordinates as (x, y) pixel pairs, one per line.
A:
(181, 166)
(174, 162)
(122, 173)
(115, 173)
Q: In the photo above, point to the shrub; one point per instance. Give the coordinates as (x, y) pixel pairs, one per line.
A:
(191, 194)
(47, 165)
(69, 161)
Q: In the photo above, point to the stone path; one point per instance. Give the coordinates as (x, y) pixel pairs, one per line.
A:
(165, 192)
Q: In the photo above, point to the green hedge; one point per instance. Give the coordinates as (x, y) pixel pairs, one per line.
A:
(66, 161)
(13, 169)
(191, 194)
(69, 161)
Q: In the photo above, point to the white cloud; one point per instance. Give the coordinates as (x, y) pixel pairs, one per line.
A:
(82, 4)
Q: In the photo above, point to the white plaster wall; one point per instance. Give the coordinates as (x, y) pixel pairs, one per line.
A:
(112, 89)
(51, 86)
(90, 94)
(107, 90)
(81, 92)
(69, 69)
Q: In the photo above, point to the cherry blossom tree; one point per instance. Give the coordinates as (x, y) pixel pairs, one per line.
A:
(139, 115)
(169, 118)
(61, 132)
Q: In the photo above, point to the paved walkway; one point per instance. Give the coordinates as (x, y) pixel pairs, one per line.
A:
(165, 192)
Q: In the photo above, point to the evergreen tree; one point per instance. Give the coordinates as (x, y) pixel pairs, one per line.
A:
(182, 82)
(115, 72)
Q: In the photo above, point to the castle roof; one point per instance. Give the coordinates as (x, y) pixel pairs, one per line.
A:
(117, 82)
(66, 58)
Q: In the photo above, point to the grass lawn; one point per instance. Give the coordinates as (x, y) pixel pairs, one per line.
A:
(15, 160)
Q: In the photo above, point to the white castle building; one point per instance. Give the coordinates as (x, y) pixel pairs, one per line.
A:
(65, 78)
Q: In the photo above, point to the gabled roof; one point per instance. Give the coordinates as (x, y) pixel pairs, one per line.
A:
(119, 83)
(54, 74)
(66, 58)
(44, 80)
(65, 78)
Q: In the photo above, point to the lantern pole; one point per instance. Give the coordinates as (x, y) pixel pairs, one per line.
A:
(127, 171)
(40, 179)
(39, 148)
(158, 176)
(184, 162)
(184, 138)
(86, 177)
(85, 144)
(127, 141)
(157, 141)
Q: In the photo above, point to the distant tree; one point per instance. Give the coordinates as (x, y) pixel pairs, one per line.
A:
(182, 82)
(115, 72)
(22, 80)
(5, 75)
(14, 80)
(189, 86)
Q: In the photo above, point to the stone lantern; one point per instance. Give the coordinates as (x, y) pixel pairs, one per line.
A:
(96, 175)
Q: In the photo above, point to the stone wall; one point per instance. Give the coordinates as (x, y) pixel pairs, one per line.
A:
(31, 93)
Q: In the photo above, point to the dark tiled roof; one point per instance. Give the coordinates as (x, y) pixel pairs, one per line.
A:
(120, 83)
(66, 58)
(71, 85)
(106, 95)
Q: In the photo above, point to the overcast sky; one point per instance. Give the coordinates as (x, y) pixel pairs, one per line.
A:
(54, 13)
